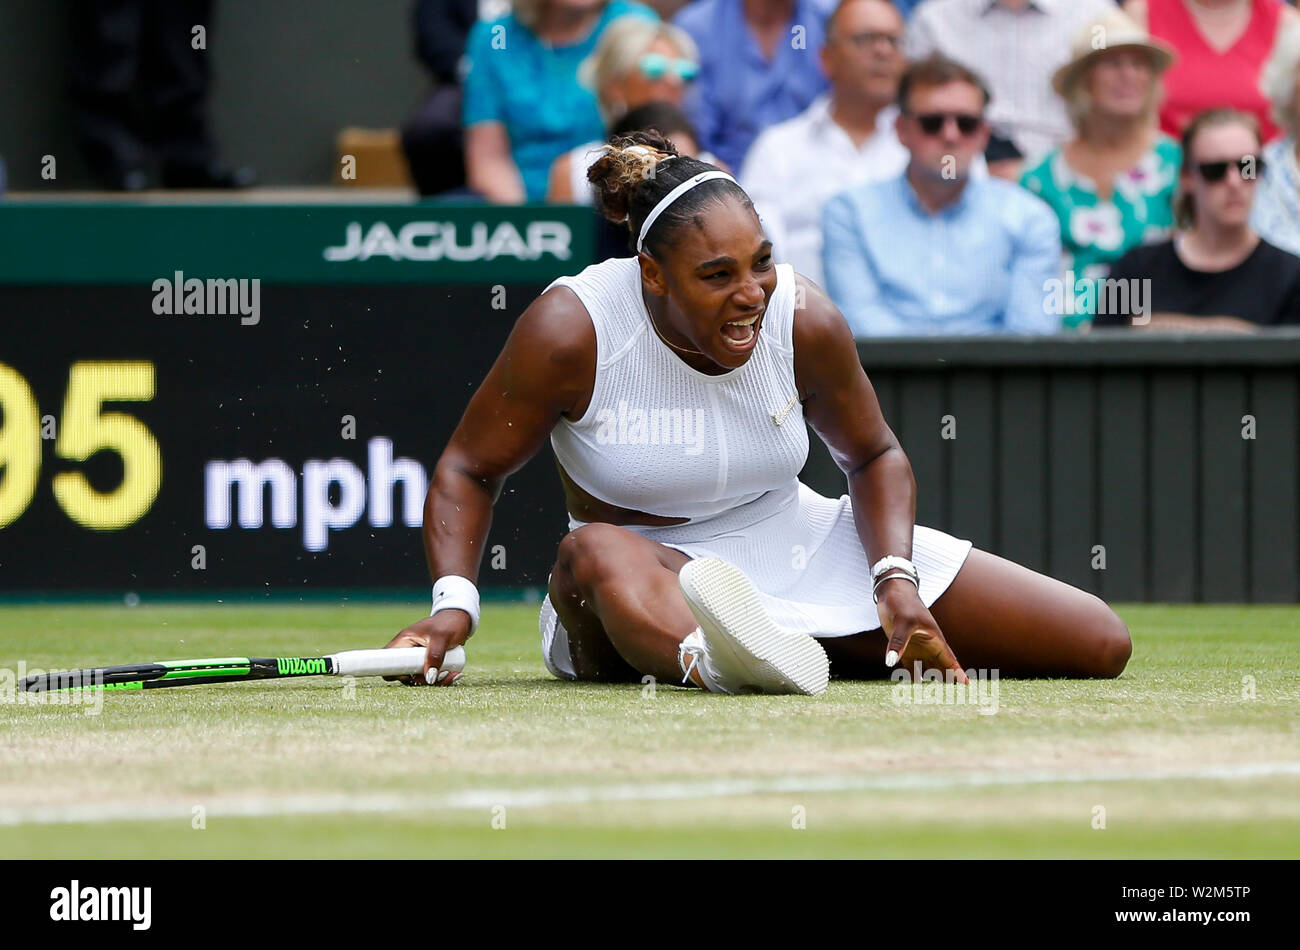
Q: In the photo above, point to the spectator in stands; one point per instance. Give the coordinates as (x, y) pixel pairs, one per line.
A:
(612, 240)
(1015, 45)
(664, 117)
(140, 94)
(1222, 46)
(845, 138)
(524, 105)
(667, 9)
(636, 62)
(434, 139)
(1112, 185)
(936, 250)
(1217, 274)
(759, 65)
(1276, 216)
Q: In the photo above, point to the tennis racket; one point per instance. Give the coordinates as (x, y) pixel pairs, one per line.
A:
(406, 661)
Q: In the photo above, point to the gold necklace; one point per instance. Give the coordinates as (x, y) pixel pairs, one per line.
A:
(681, 349)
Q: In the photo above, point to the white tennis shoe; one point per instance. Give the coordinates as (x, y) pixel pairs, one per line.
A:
(737, 647)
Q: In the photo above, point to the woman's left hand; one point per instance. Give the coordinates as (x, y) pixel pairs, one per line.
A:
(913, 632)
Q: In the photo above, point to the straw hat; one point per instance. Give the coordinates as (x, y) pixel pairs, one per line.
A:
(1115, 30)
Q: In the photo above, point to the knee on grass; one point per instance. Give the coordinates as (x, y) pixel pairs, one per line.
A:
(1110, 645)
(588, 557)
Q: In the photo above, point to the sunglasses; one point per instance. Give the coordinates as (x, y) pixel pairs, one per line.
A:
(932, 123)
(657, 65)
(867, 40)
(1249, 167)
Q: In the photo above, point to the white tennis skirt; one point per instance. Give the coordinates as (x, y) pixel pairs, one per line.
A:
(803, 554)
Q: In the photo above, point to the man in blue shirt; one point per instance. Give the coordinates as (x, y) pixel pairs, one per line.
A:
(934, 251)
(760, 64)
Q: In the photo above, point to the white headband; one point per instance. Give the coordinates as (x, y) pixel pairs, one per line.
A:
(673, 195)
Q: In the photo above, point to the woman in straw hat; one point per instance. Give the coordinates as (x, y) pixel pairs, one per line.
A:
(1112, 185)
(677, 388)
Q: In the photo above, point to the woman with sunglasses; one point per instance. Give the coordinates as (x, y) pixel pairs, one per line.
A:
(1112, 185)
(694, 554)
(636, 62)
(1217, 274)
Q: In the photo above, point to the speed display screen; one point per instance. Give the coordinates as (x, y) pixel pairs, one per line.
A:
(147, 449)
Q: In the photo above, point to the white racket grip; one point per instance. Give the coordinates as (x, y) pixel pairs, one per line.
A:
(404, 661)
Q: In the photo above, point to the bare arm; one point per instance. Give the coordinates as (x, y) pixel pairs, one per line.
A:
(1185, 323)
(546, 369)
(558, 188)
(840, 405)
(489, 168)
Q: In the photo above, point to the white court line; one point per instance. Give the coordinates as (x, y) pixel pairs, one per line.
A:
(476, 799)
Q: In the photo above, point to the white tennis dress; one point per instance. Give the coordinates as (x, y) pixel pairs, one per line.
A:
(724, 451)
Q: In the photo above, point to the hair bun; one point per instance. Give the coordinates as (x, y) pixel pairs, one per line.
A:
(627, 163)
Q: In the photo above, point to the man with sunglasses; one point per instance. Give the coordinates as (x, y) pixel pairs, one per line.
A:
(1217, 274)
(936, 250)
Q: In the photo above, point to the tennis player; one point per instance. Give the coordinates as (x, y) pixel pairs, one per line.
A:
(675, 387)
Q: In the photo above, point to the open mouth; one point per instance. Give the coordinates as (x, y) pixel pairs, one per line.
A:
(741, 333)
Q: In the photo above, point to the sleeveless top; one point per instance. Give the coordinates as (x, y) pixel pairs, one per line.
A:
(665, 439)
(1202, 77)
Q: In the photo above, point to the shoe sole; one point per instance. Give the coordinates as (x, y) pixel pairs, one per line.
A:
(740, 632)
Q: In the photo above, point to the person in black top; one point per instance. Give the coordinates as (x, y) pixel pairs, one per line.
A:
(1216, 274)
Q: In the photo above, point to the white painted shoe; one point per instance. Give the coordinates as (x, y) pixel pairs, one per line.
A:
(738, 648)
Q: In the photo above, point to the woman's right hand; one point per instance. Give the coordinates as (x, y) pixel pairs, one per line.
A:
(437, 634)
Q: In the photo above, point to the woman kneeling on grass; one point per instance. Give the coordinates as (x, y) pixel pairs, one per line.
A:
(698, 556)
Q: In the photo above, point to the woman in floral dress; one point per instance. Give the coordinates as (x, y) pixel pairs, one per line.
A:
(1112, 186)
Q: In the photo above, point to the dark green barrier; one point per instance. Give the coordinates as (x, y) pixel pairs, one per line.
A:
(292, 244)
(1179, 456)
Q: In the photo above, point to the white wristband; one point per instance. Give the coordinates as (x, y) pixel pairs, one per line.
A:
(453, 592)
(893, 562)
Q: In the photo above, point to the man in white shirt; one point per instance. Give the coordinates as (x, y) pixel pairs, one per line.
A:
(845, 138)
(1015, 45)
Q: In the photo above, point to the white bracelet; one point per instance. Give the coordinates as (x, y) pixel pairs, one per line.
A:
(889, 576)
(893, 562)
(453, 592)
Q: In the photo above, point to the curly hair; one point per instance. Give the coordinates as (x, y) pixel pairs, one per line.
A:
(637, 170)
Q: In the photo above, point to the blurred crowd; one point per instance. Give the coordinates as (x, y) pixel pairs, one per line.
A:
(937, 166)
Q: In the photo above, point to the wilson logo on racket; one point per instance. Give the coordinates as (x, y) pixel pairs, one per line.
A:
(293, 666)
